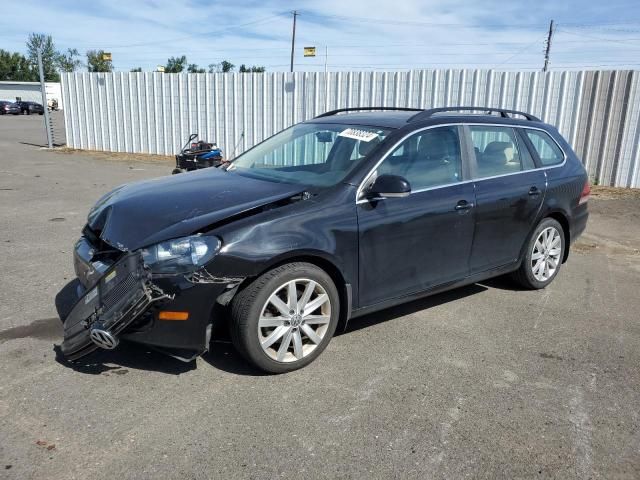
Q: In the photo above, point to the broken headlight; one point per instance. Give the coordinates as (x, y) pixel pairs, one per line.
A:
(181, 255)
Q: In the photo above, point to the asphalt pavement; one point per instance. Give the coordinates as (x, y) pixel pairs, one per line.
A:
(486, 381)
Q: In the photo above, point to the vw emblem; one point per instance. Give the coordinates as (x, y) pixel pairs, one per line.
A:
(103, 339)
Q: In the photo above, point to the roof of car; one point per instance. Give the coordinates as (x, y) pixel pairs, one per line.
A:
(388, 118)
(399, 118)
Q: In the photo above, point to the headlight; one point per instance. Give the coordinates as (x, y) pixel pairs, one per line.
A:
(181, 254)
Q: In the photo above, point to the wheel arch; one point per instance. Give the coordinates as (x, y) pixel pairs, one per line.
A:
(327, 264)
(560, 217)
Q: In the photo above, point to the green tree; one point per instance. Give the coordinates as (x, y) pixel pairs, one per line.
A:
(137, 69)
(70, 61)
(44, 43)
(193, 68)
(252, 69)
(176, 64)
(16, 67)
(96, 62)
(224, 66)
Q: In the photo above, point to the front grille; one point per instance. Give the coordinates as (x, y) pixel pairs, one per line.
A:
(118, 292)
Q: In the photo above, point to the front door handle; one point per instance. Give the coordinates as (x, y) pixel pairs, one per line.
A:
(464, 205)
(534, 191)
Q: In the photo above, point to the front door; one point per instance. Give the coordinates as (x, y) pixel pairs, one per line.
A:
(410, 244)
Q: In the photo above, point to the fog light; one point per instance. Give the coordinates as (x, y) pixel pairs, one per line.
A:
(164, 315)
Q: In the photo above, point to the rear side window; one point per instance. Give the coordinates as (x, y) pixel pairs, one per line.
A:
(546, 148)
(497, 151)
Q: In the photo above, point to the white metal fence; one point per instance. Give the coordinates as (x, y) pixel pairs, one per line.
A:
(598, 112)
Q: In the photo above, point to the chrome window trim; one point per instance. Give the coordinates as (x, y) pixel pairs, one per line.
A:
(564, 155)
(414, 132)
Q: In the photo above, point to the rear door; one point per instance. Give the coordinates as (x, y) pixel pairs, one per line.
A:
(411, 244)
(509, 193)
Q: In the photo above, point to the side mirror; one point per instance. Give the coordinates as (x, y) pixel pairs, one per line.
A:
(392, 186)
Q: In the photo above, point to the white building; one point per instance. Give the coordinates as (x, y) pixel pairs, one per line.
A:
(30, 91)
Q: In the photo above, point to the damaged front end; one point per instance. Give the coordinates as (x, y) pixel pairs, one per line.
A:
(146, 261)
(150, 296)
(118, 298)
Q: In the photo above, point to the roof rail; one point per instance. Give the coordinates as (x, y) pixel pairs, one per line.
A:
(504, 113)
(360, 109)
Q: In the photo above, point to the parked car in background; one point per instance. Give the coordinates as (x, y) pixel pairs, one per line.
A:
(333, 218)
(30, 107)
(7, 107)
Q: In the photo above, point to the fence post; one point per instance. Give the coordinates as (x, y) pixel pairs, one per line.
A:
(47, 120)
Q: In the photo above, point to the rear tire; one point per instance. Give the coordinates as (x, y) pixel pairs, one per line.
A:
(543, 256)
(273, 332)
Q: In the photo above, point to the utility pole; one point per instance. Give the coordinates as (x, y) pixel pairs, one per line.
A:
(293, 37)
(547, 51)
(326, 57)
(47, 120)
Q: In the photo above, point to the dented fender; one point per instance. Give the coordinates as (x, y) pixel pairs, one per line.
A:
(319, 229)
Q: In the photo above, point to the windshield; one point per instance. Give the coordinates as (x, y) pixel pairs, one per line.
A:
(314, 154)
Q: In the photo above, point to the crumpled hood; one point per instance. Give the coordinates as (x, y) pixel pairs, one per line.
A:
(143, 213)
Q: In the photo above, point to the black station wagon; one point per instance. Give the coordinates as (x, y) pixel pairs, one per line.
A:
(348, 213)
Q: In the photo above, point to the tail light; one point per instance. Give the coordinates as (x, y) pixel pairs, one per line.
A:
(586, 192)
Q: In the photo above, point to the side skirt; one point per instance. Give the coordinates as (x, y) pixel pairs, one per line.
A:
(435, 290)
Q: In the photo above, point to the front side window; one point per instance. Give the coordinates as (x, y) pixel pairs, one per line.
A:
(548, 151)
(313, 154)
(497, 151)
(427, 159)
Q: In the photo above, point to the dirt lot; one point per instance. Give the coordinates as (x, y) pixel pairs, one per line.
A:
(483, 382)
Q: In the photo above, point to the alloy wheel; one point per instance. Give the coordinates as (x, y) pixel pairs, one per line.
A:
(294, 320)
(546, 254)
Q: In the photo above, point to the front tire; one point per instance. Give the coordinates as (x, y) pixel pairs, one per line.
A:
(543, 256)
(285, 318)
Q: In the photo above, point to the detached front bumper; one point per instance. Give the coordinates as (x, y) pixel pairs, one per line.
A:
(125, 301)
(108, 307)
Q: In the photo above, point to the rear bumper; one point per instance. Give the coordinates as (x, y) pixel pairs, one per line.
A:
(578, 222)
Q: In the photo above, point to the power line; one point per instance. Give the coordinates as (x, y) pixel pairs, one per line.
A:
(519, 52)
(600, 39)
(387, 21)
(197, 34)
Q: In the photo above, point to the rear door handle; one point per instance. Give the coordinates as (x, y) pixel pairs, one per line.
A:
(464, 205)
(534, 191)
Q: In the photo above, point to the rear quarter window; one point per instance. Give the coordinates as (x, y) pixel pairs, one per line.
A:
(547, 149)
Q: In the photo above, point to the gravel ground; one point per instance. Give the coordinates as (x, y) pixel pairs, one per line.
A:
(484, 381)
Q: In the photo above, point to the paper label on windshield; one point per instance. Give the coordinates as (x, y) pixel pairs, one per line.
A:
(357, 134)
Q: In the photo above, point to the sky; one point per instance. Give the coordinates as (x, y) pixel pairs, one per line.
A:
(348, 34)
